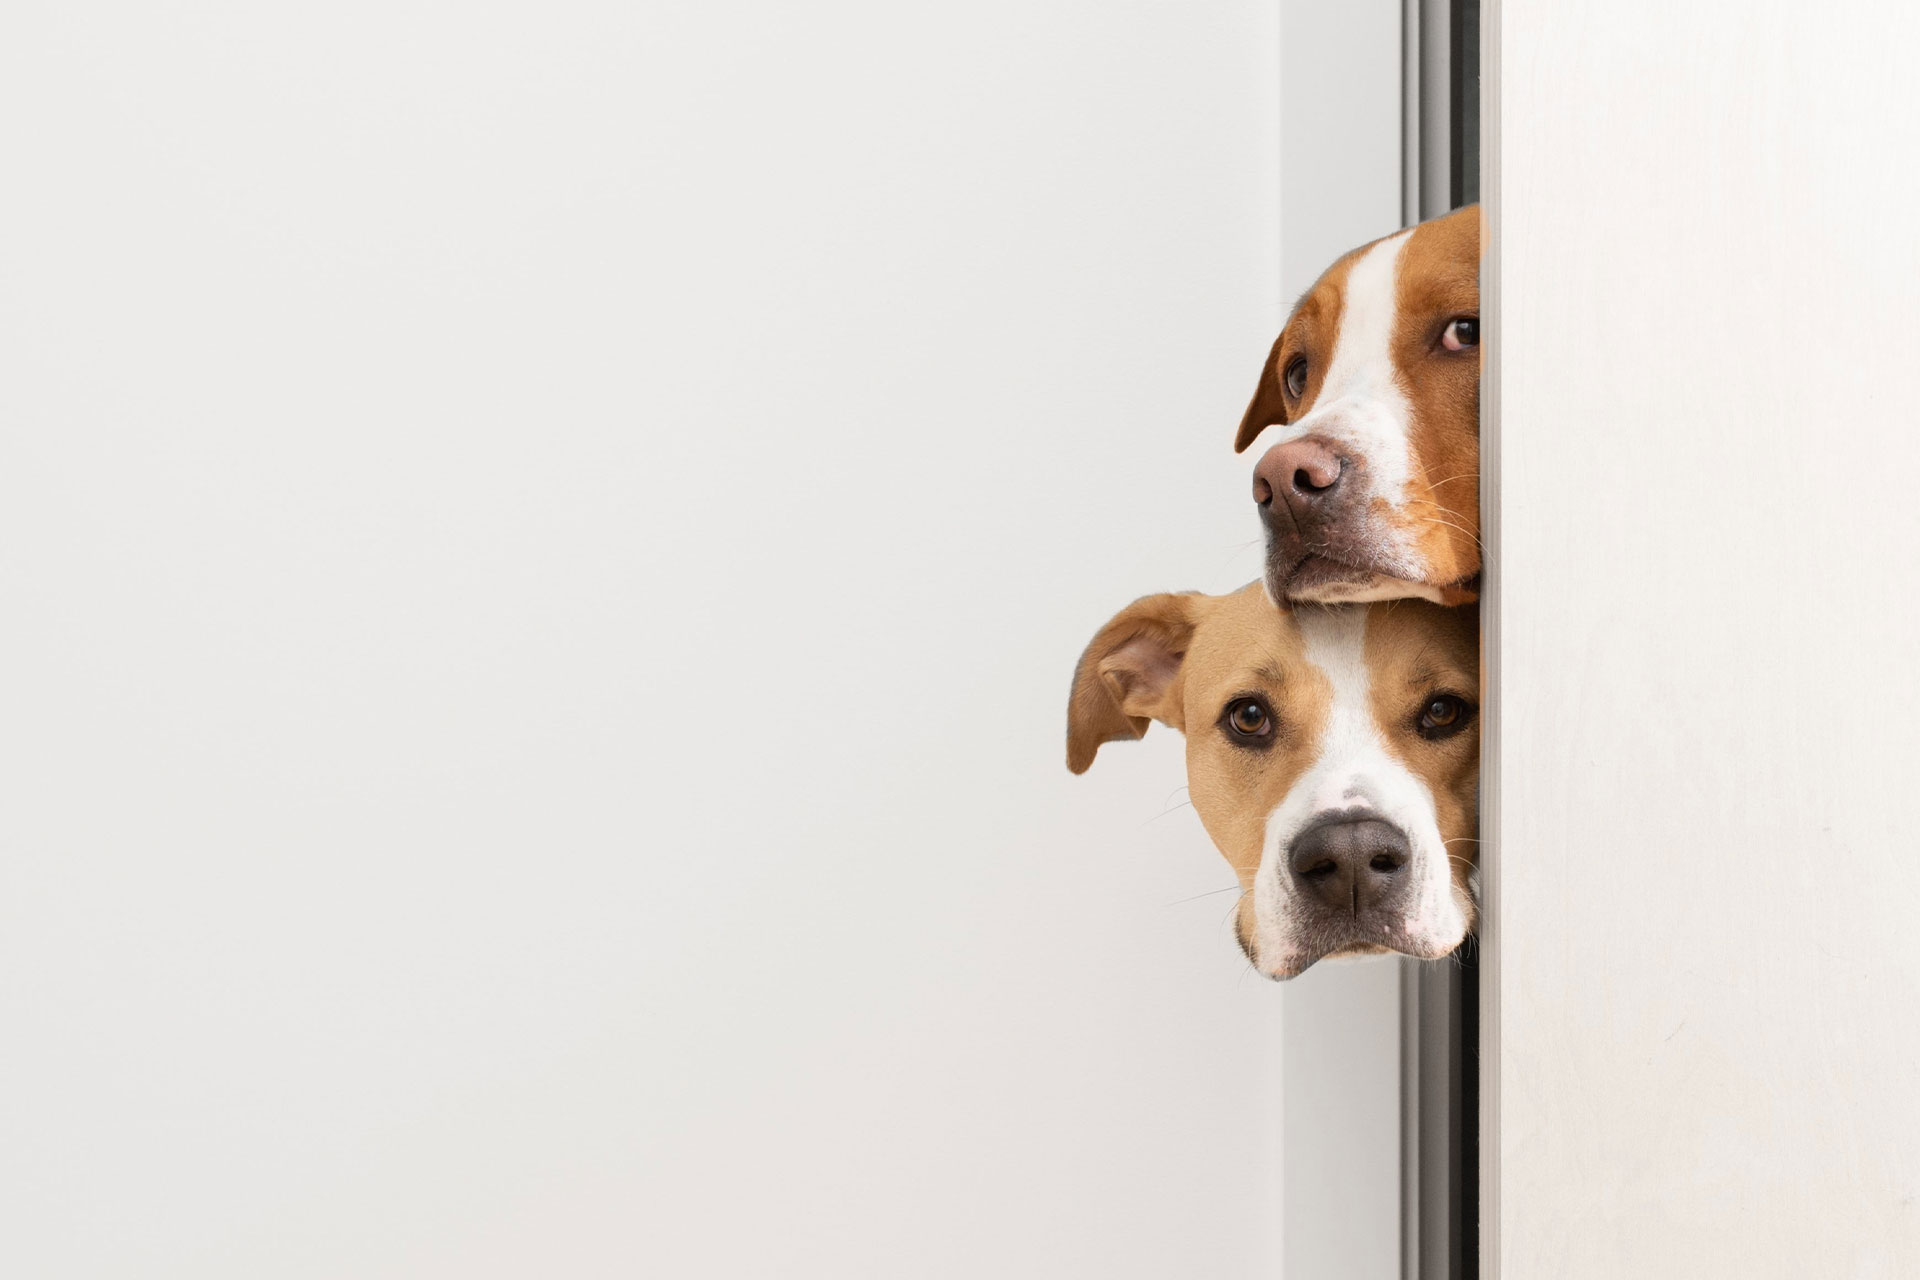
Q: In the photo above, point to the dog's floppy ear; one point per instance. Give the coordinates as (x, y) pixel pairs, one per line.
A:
(1268, 405)
(1130, 675)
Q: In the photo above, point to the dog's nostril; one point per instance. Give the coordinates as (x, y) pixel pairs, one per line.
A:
(1303, 481)
(1386, 863)
(1320, 870)
(1262, 491)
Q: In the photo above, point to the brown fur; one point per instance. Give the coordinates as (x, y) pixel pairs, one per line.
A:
(1309, 331)
(1439, 279)
(1415, 649)
(1181, 659)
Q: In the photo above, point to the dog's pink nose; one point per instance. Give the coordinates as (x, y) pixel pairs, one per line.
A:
(1300, 472)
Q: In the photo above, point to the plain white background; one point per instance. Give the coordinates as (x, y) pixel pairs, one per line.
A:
(545, 546)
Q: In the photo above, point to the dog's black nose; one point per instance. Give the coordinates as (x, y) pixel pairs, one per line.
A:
(1304, 474)
(1350, 864)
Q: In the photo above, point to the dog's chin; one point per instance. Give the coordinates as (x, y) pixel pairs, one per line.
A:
(1322, 579)
(1351, 940)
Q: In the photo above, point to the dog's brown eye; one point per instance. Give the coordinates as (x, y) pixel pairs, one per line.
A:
(1249, 718)
(1444, 715)
(1297, 378)
(1461, 333)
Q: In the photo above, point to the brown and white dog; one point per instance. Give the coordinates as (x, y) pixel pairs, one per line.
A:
(1332, 754)
(1370, 488)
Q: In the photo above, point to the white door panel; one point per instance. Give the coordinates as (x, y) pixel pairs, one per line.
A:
(1705, 728)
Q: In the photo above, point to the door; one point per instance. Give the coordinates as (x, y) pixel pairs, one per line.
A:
(1702, 1049)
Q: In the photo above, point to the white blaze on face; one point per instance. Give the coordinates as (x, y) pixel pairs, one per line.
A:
(1362, 407)
(1353, 769)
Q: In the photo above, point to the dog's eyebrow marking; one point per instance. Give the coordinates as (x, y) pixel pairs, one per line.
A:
(1270, 673)
(1428, 676)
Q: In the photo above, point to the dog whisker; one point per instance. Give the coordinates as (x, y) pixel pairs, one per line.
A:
(1208, 894)
(1442, 508)
(1426, 474)
(1451, 525)
(1184, 804)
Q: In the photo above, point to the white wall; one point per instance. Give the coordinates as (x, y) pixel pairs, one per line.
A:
(1704, 550)
(545, 547)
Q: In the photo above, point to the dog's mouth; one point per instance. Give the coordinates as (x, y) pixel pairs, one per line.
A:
(1321, 577)
(1331, 939)
(1316, 577)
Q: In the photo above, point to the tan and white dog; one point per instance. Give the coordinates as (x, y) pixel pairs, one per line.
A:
(1369, 411)
(1332, 753)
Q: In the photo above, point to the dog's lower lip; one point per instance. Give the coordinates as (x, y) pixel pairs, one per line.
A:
(1317, 570)
(1335, 938)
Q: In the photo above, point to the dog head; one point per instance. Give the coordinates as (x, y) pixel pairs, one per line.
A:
(1332, 754)
(1369, 486)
